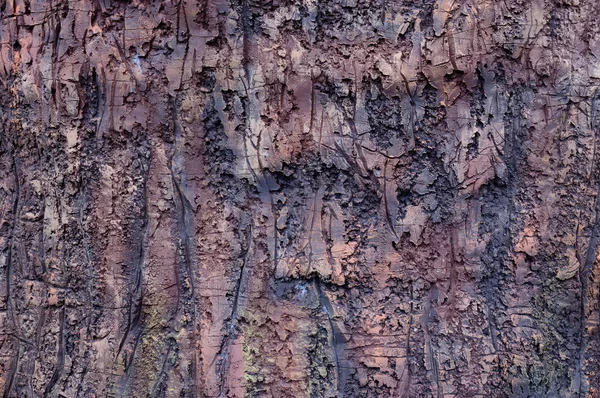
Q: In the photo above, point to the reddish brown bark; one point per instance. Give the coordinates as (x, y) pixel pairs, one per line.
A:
(299, 198)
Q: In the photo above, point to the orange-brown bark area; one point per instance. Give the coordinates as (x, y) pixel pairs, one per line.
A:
(299, 198)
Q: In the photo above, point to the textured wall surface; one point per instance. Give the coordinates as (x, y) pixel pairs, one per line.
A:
(299, 198)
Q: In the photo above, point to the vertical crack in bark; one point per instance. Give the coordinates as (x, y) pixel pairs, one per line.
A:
(60, 356)
(267, 186)
(89, 265)
(184, 205)
(184, 227)
(586, 267)
(452, 49)
(129, 361)
(134, 314)
(12, 372)
(90, 280)
(316, 208)
(513, 151)
(243, 276)
(412, 110)
(428, 348)
(453, 280)
(436, 374)
(111, 105)
(55, 64)
(350, 121)
(161, 375)
(16, 209)
(247, 59)
(404, 390)
(247, 66)
(313, 98)
(388, 213)
(183, 231)
(102, 104)
(591, 253)
(10, 255)
(328, 311)
(186, 39)
(260, 180)
(326, 235)
(231, 329)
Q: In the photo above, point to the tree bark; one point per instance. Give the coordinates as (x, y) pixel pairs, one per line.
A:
(299, 198)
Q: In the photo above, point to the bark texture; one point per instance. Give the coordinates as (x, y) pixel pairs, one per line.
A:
(299, 198)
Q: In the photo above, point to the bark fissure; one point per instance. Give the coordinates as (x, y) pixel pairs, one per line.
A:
(327, 310)
(232, 326)
(60, 356)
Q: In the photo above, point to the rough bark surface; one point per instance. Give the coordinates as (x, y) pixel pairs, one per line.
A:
(299, 198)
